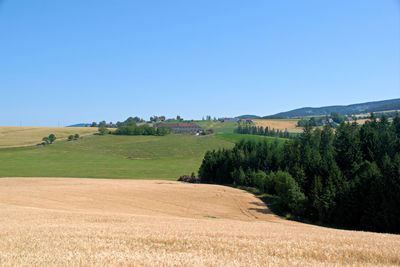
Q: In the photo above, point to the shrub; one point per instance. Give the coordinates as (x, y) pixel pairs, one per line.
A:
(269, 183)
(189, 179)
(239, 176)
(70, 138)
(46, 140)
(102, 130)
(260, 179)
(52, 138)
(250, 177)
(289, 192)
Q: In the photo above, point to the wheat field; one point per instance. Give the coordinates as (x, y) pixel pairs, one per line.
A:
(13, 136)
(60, 221)
(280, 124)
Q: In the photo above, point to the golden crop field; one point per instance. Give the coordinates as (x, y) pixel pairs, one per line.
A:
(362, 121)
(279, 124)
(13, 136)
(61, 221)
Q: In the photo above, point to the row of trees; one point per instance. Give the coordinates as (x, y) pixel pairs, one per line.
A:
(128, 122)
(131, 121)
(348, 178)
(141, 130)
(208, 118)
(333, 120)
(254, 130)
(102, 124)
(51, 138)
(157, 118)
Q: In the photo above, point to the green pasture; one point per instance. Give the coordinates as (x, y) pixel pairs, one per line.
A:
(219, 127)
(110, 156)
(115, 156)
(235, 138)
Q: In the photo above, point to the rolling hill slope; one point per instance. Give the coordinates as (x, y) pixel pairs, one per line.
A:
(111, 156)
(98, 222)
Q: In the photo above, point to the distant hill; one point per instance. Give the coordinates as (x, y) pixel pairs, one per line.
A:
(80, 125)
(248, 117)
(392, 104)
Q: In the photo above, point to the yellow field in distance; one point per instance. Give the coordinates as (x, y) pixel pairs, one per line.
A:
(279, 124)
(13, 136)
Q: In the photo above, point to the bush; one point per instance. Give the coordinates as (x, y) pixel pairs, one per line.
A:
(52, 138)
(70, 138)
(102, 130)
(161, 131)
(289, 192)
(76, 136)
(269, 183)
(238, 176)
(189, 179)
(260, 179)
(46, 140)
(250, 177)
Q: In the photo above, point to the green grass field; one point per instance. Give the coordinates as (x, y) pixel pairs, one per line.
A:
(235, 138)
(219, 127)
(110, 156)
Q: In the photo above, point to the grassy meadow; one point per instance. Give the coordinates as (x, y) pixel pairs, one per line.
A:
(235, 138)
(110, 156)
(219, 127)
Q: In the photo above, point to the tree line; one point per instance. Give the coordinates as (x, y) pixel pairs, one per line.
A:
(129, 121)
(334, 120)
(141, 130)
(348, 178)
(130, 127)
(254, 130)
(132, 121)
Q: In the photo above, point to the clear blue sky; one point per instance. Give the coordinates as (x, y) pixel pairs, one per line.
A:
(82, 61)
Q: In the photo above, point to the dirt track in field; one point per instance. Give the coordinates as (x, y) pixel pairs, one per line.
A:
(61, 221)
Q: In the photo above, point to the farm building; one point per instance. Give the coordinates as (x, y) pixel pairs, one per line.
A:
(181, 127)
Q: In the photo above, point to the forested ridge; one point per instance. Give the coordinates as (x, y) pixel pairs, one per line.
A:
(349, 177)
(376, 106)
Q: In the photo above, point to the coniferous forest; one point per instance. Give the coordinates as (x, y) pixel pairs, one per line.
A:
(348, 178)
(254, 130)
